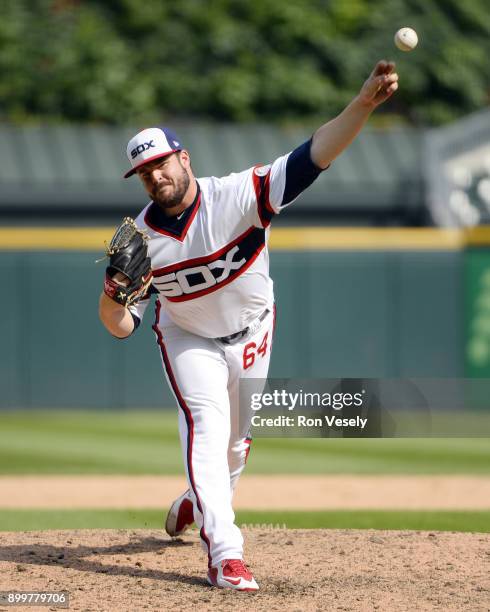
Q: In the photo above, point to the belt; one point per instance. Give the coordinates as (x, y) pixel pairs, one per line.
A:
(238, 335)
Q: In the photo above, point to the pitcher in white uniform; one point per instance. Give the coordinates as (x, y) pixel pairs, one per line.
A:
(215, 312)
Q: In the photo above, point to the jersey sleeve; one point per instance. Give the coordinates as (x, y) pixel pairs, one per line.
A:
(278, 184)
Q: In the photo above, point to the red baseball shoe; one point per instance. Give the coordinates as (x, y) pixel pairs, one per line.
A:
(180, 516)
(232, 574)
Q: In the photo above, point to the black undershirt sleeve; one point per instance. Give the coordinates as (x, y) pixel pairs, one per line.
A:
(300, 172)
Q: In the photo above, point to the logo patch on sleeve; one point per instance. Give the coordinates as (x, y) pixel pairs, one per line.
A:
(262, 170)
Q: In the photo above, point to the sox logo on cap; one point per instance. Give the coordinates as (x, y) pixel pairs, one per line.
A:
(151, 144)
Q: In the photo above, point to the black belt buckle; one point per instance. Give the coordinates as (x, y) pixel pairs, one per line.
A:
(229, 339)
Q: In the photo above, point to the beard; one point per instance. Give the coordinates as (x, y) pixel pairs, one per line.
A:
(172, 194)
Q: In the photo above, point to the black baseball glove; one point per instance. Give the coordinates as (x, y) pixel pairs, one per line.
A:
(128, 254)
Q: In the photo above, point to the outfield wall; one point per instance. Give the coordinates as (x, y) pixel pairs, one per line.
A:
(350, 303)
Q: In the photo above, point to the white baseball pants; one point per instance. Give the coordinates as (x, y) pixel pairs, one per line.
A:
(204, 376)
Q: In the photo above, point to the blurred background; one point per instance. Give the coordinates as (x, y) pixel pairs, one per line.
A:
(381, 269)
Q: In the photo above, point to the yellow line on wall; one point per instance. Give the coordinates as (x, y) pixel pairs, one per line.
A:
(478, 236)
(352, 239)
(54, 238)
(286, 239)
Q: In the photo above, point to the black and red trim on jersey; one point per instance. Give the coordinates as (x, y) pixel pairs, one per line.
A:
(175, 227)
(200, 276)
(261, 184)
(301, 171)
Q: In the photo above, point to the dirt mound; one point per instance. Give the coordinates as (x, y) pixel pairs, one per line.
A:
(296, 569)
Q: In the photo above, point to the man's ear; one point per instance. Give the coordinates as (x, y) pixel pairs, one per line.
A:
(185, 158)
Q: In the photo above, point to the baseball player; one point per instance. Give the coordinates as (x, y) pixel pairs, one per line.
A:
(200, 246)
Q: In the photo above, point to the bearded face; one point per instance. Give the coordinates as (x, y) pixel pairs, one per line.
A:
(166, 180)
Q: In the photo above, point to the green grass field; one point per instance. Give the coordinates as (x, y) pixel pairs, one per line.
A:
(34, 520)
(146, 442)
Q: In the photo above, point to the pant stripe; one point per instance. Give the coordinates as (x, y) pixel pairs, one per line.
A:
(188, 420)
(248, 442)
(274, 322)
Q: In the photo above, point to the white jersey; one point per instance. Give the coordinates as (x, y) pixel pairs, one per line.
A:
(211, 263)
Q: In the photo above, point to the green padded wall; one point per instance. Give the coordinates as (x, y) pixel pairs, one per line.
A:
(339, 314)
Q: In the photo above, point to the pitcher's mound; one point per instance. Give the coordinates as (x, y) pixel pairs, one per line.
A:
(296, 570)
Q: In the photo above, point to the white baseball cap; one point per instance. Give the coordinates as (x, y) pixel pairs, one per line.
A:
(151, 144)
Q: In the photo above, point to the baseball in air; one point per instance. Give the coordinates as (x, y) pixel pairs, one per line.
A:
(406, 39)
